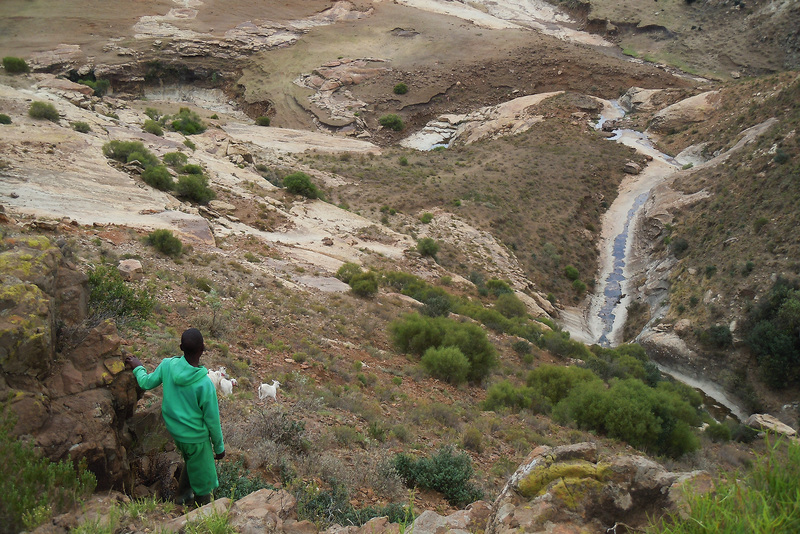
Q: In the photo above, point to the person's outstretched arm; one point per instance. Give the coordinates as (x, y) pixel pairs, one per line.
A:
(145, 380)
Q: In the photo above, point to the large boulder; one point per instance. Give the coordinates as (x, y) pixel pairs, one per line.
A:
(571, 489)
(681, 114)
(67, 392)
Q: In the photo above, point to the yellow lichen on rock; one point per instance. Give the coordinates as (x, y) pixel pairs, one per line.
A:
(575, 472)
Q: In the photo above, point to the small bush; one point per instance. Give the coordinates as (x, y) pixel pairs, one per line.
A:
(111, 298)
(447, 363)
(472, 440)
(187, 122)
(445, 472)
(427, 247)
(300, 183)
(403, 161)
(392, 121)
(426, 218)
(153, 113)
(151, 126)
(509, 305)
(127, 151)
(347, 271)
(364, 284)
(194, 187)
(400, 89)
(760, 223)
(192, 169)
(717, 336)
(678, 246)
(158, 177)
(188, 143)
(81, 127)
(263, 121)
(718, 432)
(5, 119)
(165, 242)
(175, 159)
(571, 272)
(498, 287)
(43, 110)
(100, 86)
(579, 286)
(15, 65)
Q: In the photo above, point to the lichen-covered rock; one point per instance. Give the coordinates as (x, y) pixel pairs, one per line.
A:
(569, 489)
(73, 403)
(26, 330)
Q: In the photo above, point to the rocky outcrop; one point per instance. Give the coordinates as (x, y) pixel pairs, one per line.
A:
(681, 114)
(571, 489)
(768, 423)
(65, 383)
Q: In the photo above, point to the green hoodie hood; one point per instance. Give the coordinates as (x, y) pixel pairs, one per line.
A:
(184, 373)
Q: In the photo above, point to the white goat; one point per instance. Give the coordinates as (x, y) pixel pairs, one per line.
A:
(268, 390)
(217, 376)
(226, 386)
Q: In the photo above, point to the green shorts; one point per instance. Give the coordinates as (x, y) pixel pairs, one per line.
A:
(200, 467)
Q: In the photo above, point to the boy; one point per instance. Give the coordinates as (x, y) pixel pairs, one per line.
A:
(191, 415)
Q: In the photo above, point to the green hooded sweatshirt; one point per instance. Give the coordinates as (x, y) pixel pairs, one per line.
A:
(189, 407)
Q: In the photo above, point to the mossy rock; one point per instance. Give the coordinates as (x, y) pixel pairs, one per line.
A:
(579, 476)
(34, 260)
(26, 328)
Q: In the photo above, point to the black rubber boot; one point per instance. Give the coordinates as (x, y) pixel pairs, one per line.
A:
(184, 494)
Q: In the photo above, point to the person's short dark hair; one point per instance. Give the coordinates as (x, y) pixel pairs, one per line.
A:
(192, 342)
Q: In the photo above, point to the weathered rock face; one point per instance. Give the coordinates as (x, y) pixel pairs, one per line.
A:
(74, 403)
(568, 489)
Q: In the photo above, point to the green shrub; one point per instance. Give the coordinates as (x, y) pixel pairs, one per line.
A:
(392, 121)
(554, 382)
(436, 306)
(111, 298)
(445, 472)
(43, 110)
(428, 247)
(762, 500)
(5, 119)
(263, 121)
(400, 89)
(151, 126)
(15, 65)
(153, 113)
(158, 177)
(505, 395)
(773, 334)
(415, 333)
(347, 271)
(403, 161)
(188, 143)
(364, 284)
(678, 246)
(521, 347)
(82, 127)
(165, 242)
(187, 122)
(191, 168)
(718, 432)
(34, 488)
(235, 481)
(718, 336)
(571, 272)
(194, 187)
(100, 86)
(579, 286)
(447, 363)
(300, 183)
(509, 305)
(498, 287)
(175, 159)
(426, 218)
(127, 151)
